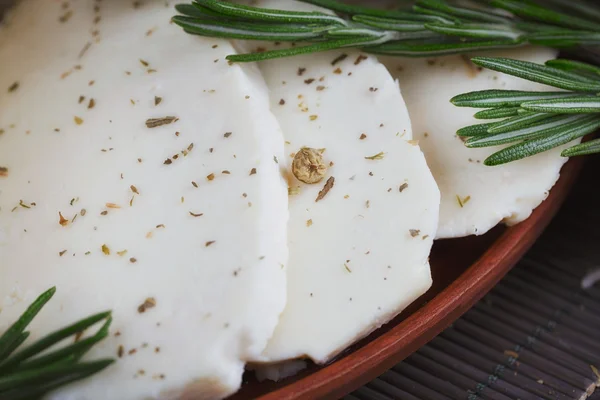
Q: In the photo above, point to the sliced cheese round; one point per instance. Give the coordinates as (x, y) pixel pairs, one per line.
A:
(359, 238)
(475, 197)
(140, 175)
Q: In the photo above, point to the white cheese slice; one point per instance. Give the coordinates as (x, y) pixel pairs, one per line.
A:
(475, 198)
(203, 234)
(358, 256)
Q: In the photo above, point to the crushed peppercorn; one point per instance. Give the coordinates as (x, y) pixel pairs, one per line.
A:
(308, 165)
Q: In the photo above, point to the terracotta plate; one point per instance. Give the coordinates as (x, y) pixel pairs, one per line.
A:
(464, 270)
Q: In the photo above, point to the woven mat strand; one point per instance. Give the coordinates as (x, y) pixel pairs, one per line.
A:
(536, 335)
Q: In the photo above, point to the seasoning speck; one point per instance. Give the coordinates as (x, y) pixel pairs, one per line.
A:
(156, 122)
(210, 242)
(13, 87)
(339, 58)
(78, 120)
(62, 220)
(105, 250)
(360, 59)
(462, 202)
(378, 156)
(414, 232)
(402, 187)
(253, 171)
(150, 302)
(328, 185)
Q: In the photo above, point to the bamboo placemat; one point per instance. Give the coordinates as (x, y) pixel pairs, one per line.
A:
(536, 335)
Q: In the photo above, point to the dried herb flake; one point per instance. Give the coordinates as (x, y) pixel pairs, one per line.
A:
(156, 122)
(328, 185)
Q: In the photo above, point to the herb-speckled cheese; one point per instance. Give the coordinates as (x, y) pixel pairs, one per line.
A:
(475, 197)
(360, 238)
(139, 175)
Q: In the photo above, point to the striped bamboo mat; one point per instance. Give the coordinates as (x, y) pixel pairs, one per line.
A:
(536, 335)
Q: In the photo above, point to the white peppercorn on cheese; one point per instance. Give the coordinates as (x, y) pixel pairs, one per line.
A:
(139, 174)
(475, 197)
(360, 237)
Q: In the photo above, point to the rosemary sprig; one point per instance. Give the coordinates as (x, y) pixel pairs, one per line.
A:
(531, 121)
(535, 121)
(32, 372)
(427, 28)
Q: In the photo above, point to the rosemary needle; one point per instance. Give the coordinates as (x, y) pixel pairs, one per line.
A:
(32, 372)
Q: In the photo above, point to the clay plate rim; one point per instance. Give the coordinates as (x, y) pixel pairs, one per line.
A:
(380, 354)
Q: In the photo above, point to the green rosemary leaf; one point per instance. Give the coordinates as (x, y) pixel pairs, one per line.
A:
(545, 143)
(18, 342)
(356, 9)
(579, 67)
(564, 38)
(519, 121)
(500, 112)
(466, 14)
(591, 147)
(581, 8)
(426, 49)
(15, 332)
(354, 32)
(269, 15)
(51, 339)
(573, 105)
(313, 48)
(241, 30)
(503, 98)
(540, 13)
(390, 24)
(28, 384)
(196, 11)
(475, 130)
(553, 126)
(436, 13)
(424, 35)
(480, 30)
(534, 27)
(539, 73)
(74, 349)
